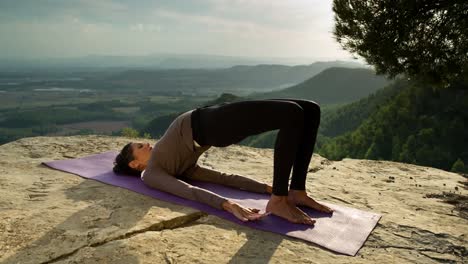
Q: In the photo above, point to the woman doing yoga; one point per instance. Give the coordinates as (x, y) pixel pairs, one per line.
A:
(174, 157)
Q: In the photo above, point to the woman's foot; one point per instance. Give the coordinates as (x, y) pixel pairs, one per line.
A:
(279, 205)
(300, 198)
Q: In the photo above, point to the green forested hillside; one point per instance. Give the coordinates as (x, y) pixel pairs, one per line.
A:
(333, 86)
(348, 117)
(420, 125)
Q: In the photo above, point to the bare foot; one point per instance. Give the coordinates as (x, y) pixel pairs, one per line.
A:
(279, 205)
(300, 198)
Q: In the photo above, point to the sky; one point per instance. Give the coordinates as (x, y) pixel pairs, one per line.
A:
(249, 28)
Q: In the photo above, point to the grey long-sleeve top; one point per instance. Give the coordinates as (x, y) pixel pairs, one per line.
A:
(175, 156)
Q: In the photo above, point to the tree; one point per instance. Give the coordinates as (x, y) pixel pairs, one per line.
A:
(426, 39)
(129, 132)
(458, 166)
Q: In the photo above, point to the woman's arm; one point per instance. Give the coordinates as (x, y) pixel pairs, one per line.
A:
(232, 180)
(161, 180)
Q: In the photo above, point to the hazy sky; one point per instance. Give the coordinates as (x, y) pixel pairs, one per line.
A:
(261, 28)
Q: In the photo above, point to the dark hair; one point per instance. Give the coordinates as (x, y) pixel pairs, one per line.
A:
(121, 162)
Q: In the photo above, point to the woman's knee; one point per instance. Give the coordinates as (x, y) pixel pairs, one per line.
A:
(311, 109)
(293, 112)
(315, 109)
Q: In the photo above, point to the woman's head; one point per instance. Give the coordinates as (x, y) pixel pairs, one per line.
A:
(132, 159)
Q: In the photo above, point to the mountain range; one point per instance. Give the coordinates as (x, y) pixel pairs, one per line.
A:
(155, 61)
(242, 79)
(333, 85)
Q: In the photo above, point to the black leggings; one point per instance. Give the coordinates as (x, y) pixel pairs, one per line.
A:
(297, 120)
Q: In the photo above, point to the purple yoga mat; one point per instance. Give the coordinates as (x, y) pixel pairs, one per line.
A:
(344, 232)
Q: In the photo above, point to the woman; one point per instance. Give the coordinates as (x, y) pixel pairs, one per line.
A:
(174, 157)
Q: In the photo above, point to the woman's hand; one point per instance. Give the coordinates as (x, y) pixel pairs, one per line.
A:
(242, 213)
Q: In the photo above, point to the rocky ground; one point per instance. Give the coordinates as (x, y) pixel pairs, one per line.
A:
(49, 216)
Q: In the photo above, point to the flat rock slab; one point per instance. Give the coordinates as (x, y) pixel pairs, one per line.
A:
(49, 216)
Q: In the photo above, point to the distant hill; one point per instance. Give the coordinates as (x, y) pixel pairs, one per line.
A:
(155, 61)
(350, 116)
(252, 78)
(333, 86)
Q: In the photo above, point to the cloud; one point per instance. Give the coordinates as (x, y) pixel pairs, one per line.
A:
(145, 27)
(229, 27)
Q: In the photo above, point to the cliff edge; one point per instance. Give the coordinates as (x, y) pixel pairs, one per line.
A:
(49, 216)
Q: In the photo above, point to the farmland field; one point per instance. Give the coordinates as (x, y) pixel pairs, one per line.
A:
(101, 127)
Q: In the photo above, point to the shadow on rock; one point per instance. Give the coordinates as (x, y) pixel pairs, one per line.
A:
(110, 217)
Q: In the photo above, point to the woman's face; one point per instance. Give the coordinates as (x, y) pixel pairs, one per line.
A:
(141, 153)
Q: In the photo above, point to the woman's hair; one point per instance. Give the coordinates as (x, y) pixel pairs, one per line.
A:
(121, 162)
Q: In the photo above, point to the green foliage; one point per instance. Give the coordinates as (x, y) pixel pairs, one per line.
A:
(419, 125)
(85, 131)
(130, 132)
(140, 122)
(418, 38)
(335, 122)
(158, 126)
(263, 140)
(458, 166)
(11, 134)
